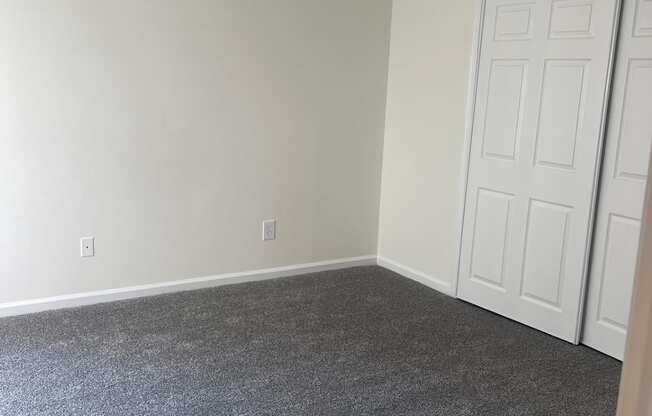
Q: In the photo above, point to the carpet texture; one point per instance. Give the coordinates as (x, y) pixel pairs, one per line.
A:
(361, 341)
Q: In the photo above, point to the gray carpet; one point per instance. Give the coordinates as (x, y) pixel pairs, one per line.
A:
(362, 341)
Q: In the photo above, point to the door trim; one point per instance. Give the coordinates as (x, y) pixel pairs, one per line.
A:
(476, 49)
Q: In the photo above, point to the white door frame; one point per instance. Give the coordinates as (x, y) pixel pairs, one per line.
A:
(476, 48)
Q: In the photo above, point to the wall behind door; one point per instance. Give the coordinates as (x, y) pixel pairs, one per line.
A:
(428, 73)
(170, 129)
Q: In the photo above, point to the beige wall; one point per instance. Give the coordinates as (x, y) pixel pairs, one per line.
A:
(170, 129)
(428, 74)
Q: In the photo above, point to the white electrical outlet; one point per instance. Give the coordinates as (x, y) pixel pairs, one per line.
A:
(87, 246)
(269, 230)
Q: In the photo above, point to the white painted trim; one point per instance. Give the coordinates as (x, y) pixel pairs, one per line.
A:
(606, 100)
(476, 47)
(110, 295)
(419, 276)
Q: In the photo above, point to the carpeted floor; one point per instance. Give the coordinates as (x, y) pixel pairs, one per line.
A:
(361, 341)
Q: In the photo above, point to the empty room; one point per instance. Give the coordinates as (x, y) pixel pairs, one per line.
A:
(325, 207)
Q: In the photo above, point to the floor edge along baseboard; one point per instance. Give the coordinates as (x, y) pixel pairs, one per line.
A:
(131, 292)
(416, 275)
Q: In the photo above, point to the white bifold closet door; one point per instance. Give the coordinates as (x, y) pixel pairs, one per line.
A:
(540, 99)
(622, 187)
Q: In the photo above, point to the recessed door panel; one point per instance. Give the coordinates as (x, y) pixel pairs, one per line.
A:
(571, 19)
(643, 18)
(544, 261)
(560, 113)
(513, 21)
(635, 133)
(504, 104)
(617, 271)
(490, 237)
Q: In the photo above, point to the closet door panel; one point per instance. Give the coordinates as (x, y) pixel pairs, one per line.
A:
(622, 188)
(542, 78)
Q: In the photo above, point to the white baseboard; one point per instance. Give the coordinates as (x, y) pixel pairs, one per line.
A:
(110, 295)
(416, 275)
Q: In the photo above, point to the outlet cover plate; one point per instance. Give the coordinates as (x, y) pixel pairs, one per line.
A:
(87, 246)
(269, 230)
